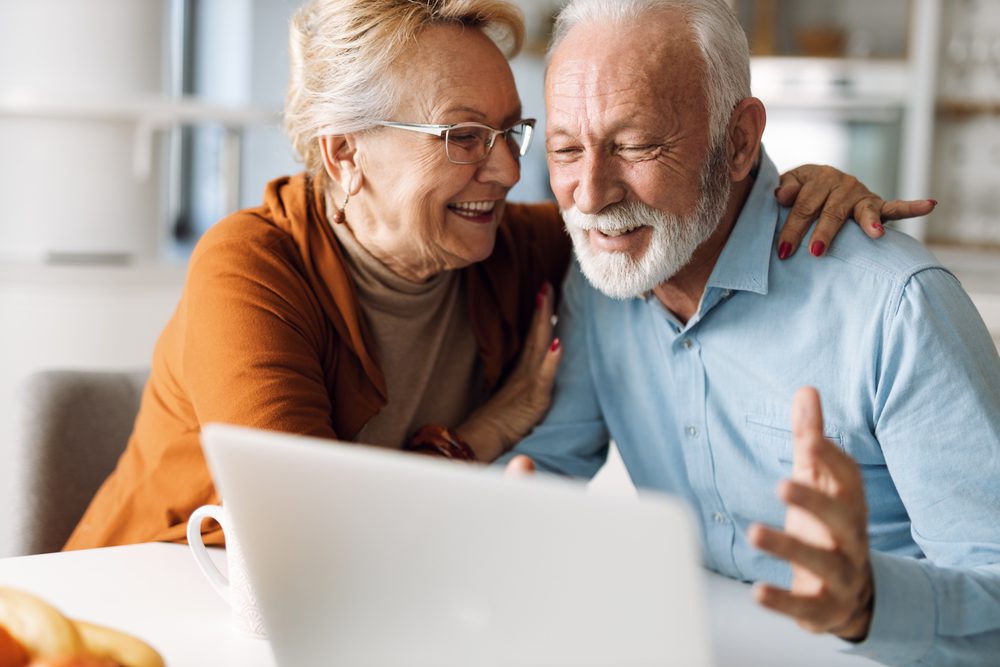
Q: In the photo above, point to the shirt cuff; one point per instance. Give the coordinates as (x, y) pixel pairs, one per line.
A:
(904, 618)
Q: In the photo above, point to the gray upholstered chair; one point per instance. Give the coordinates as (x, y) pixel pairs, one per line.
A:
(73, 427)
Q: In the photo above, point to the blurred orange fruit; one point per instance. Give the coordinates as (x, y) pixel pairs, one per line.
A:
(12, 654)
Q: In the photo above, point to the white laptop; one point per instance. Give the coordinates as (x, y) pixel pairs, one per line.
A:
(362, 556)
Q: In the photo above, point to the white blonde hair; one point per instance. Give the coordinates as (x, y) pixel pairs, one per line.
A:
(344, 56)
(717, 32)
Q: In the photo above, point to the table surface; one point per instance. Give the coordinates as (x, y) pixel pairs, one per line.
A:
(156, 592)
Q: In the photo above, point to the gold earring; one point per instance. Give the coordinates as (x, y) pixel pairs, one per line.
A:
(341, 213)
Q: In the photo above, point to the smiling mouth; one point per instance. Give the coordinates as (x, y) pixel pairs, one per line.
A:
(477, 211)
(614, 233)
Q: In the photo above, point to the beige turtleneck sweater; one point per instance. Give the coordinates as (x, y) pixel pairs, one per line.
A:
(423, 342)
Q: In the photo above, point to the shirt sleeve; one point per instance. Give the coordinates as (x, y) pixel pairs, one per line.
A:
(573, 438)
(252, 343)
(938, 421)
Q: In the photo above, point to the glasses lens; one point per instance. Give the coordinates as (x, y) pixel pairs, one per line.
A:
(467, 143)
(519, 137)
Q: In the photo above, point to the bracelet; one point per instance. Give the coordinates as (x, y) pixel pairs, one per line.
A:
(438, 440)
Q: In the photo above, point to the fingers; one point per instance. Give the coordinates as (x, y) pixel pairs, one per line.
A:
(542, 352)
(789, 185)
(807, 414)
(834, 215)
(830, 604)
(540, 333)
(824, 563)
(867, 213)
(899, 209)
(832, 197)
(806, 206)
(845, 611)
(816, 457)
(870, 212)
(520, 466)
(547, 370)
(846, 522)
(809, 613)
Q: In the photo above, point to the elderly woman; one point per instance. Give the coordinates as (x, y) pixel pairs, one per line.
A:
(388, 295)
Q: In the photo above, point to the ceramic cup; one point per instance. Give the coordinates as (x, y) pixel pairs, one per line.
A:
(235, 589)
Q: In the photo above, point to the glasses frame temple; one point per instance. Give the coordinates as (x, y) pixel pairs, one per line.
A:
(441, 130)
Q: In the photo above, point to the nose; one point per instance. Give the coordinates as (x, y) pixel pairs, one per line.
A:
(598, 185)
(501, 165)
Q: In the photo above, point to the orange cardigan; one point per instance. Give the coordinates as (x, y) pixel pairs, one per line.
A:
(268, 333)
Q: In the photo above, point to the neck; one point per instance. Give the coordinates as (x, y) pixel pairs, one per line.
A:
(682, 293)
(367, 238)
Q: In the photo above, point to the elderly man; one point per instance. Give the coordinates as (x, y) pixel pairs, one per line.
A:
(685, 342)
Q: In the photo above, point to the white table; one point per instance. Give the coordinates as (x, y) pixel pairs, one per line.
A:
(156, 592)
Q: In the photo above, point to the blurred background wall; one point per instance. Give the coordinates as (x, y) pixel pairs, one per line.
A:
(128, 127)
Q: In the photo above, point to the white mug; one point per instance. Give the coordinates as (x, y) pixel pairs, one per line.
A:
(236, 589)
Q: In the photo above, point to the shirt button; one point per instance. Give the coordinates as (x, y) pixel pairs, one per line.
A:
(718, 518)
(692, 431)
(687, 344)
(726, 294)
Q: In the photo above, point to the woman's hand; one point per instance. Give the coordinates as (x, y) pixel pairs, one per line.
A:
(833, 196)
(523, 400)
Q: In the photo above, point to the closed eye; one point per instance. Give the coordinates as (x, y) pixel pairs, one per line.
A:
(564, 154)
(640, 152)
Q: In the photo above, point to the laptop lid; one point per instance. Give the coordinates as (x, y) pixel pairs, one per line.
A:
(366, 556)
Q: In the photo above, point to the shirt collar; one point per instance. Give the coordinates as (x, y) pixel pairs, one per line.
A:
(746, 258)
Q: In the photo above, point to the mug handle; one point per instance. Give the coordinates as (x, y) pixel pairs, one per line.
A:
(200, 552)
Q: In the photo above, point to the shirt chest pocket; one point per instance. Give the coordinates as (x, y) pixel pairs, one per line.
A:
(771, 438)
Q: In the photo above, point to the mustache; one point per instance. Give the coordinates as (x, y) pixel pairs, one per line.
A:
(617, 217)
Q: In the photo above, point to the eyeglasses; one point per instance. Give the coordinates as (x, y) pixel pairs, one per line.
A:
(468, 143)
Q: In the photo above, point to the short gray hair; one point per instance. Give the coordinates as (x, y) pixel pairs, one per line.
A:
(343, 58)
(719, 35)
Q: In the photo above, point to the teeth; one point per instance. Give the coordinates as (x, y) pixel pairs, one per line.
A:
(617, 232)
(473, 207)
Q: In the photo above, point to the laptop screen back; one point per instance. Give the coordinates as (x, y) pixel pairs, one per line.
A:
(365, 556)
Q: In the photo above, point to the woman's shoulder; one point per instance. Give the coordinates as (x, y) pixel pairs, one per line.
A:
(250, 230)
(265, 229)
(246, 241)
(245, 254)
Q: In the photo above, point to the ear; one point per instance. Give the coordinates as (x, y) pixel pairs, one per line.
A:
(340, 158)
(746, 125)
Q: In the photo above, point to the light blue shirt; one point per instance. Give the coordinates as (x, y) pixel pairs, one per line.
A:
(910, 384)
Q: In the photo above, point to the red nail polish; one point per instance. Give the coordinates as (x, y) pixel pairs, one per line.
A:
(542, 292)
(555, 345)
(784, 250)
(817, 248)
(879, 227)
(933, 201)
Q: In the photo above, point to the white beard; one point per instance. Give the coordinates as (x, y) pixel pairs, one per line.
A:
(671, 246)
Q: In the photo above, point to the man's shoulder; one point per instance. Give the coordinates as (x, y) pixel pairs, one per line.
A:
(895, 257)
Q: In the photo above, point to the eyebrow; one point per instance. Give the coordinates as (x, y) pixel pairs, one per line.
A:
(509, 118)
(560, 132)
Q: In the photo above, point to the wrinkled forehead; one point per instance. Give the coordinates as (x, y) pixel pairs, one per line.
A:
(657, 56)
